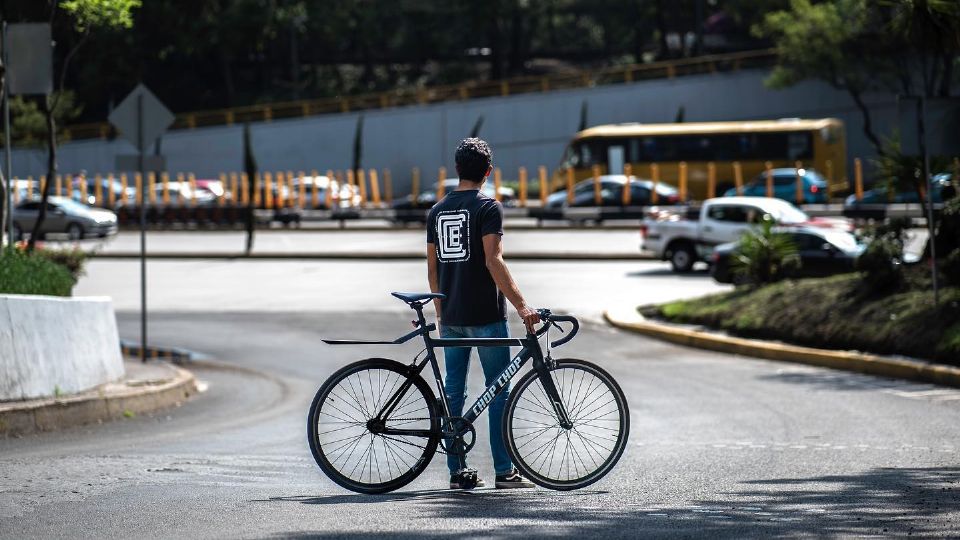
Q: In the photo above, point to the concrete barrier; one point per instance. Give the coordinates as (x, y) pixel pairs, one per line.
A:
(51, 345)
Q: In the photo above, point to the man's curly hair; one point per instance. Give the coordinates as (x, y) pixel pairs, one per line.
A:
(473, 159)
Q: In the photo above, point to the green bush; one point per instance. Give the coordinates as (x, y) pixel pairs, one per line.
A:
(882, 262)
(72, 259)
(948, 241)
(23, 273)
(764, 256)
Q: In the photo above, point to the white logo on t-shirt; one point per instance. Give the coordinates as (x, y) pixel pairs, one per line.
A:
(453, 236)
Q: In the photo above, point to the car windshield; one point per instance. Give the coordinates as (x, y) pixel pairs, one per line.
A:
(790, 214)
(70, 205)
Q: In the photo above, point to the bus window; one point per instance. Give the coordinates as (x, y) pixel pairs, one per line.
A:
(799, 146)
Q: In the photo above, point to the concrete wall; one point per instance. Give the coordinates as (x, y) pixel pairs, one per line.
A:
(48, 343)
(527, 130)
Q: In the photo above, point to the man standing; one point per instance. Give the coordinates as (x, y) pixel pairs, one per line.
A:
(465, 263)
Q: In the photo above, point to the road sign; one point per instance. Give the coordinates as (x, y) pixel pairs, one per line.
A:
(141, 127)
(131, 162)
(30, 62)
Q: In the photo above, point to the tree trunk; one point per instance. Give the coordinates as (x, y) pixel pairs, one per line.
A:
(51, 171)
(867, 121)
(3, 178)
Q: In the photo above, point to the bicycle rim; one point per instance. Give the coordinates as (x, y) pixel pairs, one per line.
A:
(347, 451)
(559, 458)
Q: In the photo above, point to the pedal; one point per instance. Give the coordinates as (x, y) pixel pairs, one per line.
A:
(468, 478)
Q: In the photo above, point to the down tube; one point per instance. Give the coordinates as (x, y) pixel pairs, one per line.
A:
(498, 385)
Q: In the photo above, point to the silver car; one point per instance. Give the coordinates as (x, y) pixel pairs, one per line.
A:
(64, 216)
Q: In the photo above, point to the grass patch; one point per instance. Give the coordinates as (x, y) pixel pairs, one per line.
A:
(22, 273)
(833, 313)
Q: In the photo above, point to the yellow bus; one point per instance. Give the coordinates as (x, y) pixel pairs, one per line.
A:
(816, 144)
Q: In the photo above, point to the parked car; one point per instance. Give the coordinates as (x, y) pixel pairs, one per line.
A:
(64, 215)
(611, 192)
(107, 184)
(181, 194)
(345, 195)
(943, 188)
(785, 186)
(685, 239)
(408, 211)
(823, 252)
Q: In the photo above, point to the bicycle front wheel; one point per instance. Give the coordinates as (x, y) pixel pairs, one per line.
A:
(338, 426)
(559, 458)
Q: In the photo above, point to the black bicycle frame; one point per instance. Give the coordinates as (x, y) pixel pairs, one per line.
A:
(531, 349)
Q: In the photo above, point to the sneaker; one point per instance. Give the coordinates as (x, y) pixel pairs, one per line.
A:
(455, 482)
(513, 480)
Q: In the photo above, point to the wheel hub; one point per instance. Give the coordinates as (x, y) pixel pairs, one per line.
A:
(375, 425)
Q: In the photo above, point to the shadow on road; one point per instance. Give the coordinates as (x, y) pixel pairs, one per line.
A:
(668, 272)
(836, 380)
(882, 501)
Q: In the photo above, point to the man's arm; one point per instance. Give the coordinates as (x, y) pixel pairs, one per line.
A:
(432, 277)
(493, 252)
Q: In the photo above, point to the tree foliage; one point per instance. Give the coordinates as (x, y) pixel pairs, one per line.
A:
(764, 255)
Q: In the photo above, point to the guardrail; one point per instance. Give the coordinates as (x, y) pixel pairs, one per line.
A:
(440, 94)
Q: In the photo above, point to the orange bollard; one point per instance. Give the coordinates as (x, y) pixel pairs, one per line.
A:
(56, 186)
(98, 190)
(387, 185)
(769, 167)
(302, 192)
(111, 195)
(224, 183)
(83, 188)
(193, 188)
(293, 197)
(332, 187)
(711, 180)
(165, 187)
(441, 189)
(374, 187)
(151, 191)
(123, 188)
(655, 176)
(280, 199)
(337, 193)
(544, 188)
(268, 191)
(683, 180)
(858, 178)
(597, 196)
(314, 188)
(362, 183)
(257, 189)
(496, 184)
(138, 185)
(234, 186)
(570, 186)
(627, 192)
(738, 177)
(245, 188)
(796, 171)
(522, 186)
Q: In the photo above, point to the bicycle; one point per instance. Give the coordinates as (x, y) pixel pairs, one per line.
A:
(375, 425)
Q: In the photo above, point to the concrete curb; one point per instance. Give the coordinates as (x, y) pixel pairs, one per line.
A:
(96, 406)
(520, 256)
(896, 368)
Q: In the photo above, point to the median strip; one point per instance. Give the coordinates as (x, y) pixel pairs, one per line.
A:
(629, 318)
(359, 255)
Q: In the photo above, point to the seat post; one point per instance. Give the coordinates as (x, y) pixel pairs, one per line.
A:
(418, 307)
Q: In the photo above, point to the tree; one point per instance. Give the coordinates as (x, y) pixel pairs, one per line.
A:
(86, 16)
(902, 46)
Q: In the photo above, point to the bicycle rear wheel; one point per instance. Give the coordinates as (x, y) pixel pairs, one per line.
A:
(341, 441)
(559, 458)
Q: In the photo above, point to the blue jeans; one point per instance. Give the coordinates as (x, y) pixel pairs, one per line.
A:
(494, 360)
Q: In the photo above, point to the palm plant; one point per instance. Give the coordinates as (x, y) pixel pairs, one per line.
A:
(764, 255)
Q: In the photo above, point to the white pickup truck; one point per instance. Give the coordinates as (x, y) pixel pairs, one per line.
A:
(685, 239)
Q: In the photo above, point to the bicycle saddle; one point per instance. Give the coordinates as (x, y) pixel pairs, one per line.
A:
(410, 298)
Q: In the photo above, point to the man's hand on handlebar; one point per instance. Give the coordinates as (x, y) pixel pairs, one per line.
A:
(530, 317)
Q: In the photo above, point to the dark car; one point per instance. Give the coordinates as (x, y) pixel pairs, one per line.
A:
(407, 210)
(785, 186)
(943, 188)
(823, 252)
(611, 193)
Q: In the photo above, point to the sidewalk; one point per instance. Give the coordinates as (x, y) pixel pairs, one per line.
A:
(628, 318)
(145, 388)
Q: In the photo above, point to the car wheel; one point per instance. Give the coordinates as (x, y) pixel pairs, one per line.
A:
(682, 258)
(75, 231)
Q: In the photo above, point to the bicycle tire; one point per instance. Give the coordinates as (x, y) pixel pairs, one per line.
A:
(581, 390)
(344, 399)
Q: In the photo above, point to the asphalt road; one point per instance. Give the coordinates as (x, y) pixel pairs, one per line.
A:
(720, 446)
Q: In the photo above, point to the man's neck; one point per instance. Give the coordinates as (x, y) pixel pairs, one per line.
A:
(466, 185)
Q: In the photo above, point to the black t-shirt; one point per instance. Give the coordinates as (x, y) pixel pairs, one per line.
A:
(456, 226)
